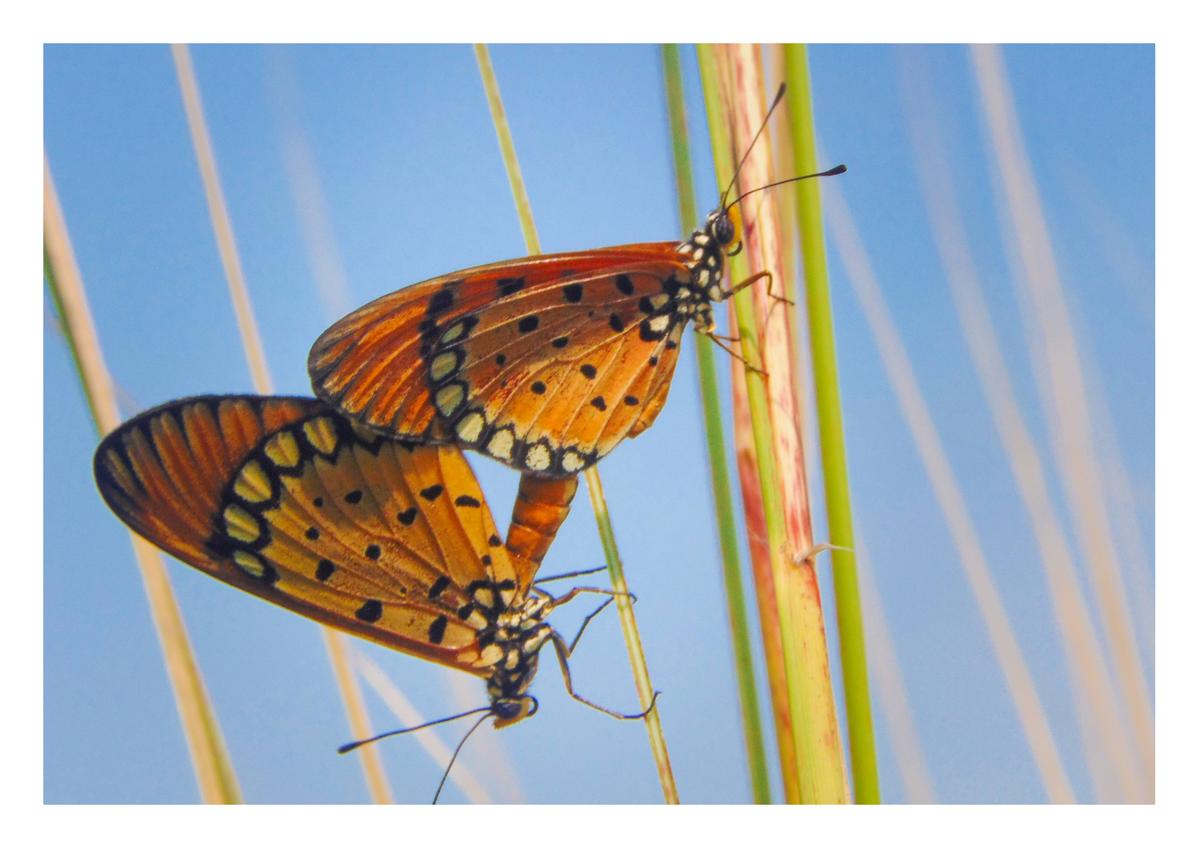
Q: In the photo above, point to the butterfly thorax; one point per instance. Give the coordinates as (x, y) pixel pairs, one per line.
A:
(514, 641)
(704, 255)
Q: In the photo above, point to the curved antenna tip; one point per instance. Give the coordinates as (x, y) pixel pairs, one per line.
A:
(834, 171)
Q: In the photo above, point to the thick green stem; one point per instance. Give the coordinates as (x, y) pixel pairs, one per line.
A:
(833, 447)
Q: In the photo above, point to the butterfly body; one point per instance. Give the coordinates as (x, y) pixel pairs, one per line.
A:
(544, 363)
(392, 541)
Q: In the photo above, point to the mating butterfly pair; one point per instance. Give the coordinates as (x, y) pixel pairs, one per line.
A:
(359, 511)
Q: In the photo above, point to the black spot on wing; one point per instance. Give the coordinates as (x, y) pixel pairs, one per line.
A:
(441, 301)
(510, 285)
(371, 611)
(438, 586)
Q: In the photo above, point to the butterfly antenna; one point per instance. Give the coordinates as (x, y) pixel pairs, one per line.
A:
(350, 746)
(454, 757)
(746, 155)
(832, 172)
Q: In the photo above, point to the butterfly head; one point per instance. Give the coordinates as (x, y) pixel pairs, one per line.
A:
(511, 710)
(724, 226)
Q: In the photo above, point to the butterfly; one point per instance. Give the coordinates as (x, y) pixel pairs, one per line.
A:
(544, 363)
(392, 541)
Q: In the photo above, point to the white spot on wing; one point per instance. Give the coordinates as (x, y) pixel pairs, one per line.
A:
(443, 364)
(572, 461)
(470, 426)
(538, 457)
(500, 445)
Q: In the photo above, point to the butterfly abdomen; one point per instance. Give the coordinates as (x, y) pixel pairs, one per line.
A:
(541, 507)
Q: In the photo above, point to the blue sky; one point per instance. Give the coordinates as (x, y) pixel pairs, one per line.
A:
(413, 186)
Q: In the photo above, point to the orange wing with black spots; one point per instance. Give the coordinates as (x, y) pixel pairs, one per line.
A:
(288, 500)
(544, 363)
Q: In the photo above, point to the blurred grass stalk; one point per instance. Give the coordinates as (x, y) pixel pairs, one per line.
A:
(210, 760)
(732, 78)
(891, 694)
(1063, 394)
(633, 641)
(335, 643)
(1109, 747)
(1030, 712)
(461, 775)
(851, 642)
(714, 431)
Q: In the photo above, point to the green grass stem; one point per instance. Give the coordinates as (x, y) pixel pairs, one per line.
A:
(714, 431)
(851, 640)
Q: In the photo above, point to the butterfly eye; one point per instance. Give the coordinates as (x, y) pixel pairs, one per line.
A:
(723, 229)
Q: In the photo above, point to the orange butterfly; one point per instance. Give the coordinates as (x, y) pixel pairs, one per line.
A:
(545, 363)
(392, 541)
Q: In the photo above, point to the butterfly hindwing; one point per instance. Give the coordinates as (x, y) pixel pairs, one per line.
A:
(288, 500)
(544, 364)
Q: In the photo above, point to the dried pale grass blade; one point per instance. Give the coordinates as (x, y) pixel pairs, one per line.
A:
(429, 739)
(356, 713)
(752, 493)
(822, 777)
(783, 165)
(893, 695)
(219, 215)
(210, 760)
(629, 628)
(1030, 712)
(308, 197)
(1063, 392)
(1108, 748)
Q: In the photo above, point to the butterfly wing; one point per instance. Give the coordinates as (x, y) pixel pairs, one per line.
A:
(287, 500)
(545, 363)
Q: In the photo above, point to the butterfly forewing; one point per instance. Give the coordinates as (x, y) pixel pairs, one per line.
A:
(284, 498)
(544, 364)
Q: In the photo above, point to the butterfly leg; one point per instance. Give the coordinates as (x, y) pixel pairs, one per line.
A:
(579, 590)
(717, 341)
(563, 652)
(582, 573)
(586, 621)
(749, 281)
(776, 299)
